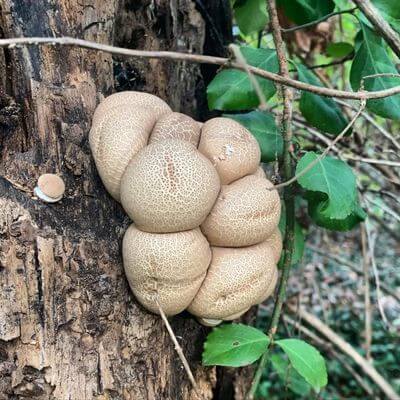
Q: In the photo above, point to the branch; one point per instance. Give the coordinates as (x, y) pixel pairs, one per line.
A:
(324, 153)
(198, 58)
(317, 21)
(288, 171)
(383, 28)
(178, 349)
(346, 348)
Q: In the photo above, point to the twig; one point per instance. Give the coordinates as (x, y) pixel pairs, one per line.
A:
(256, 86)
(367, 296)
(346, 348)
(341, 261)
(372, 122)
(198, 58)
(324, 153)
(289, 198)
(317, 21)
(329, 348)
(371, 245)
(178, 349)
(385, 30)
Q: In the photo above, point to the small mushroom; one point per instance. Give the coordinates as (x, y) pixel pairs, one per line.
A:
(50, 188)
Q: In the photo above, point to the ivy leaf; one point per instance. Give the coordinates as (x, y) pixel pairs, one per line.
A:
(232, 90)
(390, 10)
(234, 345)
(262, 126)
(372, 58)
(289, 375)
(356, 216)
(330, 183)
(251, 15)
(321, 112)
(304, 11)
(306, 360)
(339, 49)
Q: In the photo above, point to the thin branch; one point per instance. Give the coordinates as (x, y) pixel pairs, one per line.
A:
(197, 58)
(256, 86)
(324, 153)
(341, 261)
(178, 349)
(289, 198)
(365, 115)
(346, 348)
(379, 23)
(317, 21)
(367, 295)
(328, 347)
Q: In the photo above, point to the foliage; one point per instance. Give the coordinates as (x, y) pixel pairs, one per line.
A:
(329, 188)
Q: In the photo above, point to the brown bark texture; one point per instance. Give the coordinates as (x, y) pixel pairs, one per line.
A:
(69, 326)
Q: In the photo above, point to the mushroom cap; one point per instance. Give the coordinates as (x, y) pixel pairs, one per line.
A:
(231, 148)
(120, 133)
(133, 99)
(168, 267)
(51, 185)
(169, 187)
(176, 126)
(236, 279)
(245, 213)
(260, 172)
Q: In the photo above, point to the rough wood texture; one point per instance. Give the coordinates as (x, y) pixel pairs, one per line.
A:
(69, 327)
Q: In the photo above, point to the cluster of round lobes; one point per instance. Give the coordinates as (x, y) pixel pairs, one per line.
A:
(205, 236)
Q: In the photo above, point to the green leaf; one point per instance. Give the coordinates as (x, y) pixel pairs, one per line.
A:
(232, 90)
(372, 58)
(299, 239)
(331, 183)
(262, 126)
(251, 15)
(356, 216)
(390, 10)
(234, 345)
(339, 49)
(306, 360)
(304, 11)
(289, 375)
(321, 112)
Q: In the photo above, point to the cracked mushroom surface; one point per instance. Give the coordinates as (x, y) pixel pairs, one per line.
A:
(205, 234)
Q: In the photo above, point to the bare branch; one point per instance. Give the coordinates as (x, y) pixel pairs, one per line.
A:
(346, 348)
(197, 58)
(383, 28)
(178, 349)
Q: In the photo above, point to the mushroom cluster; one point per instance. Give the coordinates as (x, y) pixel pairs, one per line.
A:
(205, 236)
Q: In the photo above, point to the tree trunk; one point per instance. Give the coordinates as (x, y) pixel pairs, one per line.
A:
(69, 326)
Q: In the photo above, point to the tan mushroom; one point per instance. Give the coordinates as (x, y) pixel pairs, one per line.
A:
(176, 126)
(168, 267)
(245, 213)
(50, 188)
(275, 241)
(236, 279)
(231, 148)
(169, 187)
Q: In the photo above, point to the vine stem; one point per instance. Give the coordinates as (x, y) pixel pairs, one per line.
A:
(201, 59)
(289, 199)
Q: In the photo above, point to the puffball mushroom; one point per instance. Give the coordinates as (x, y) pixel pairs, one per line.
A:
(236, 280)
(176, 126)
(245, 213)
(231, 148)
(169, 187)
(165, 267)
(194, 244)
